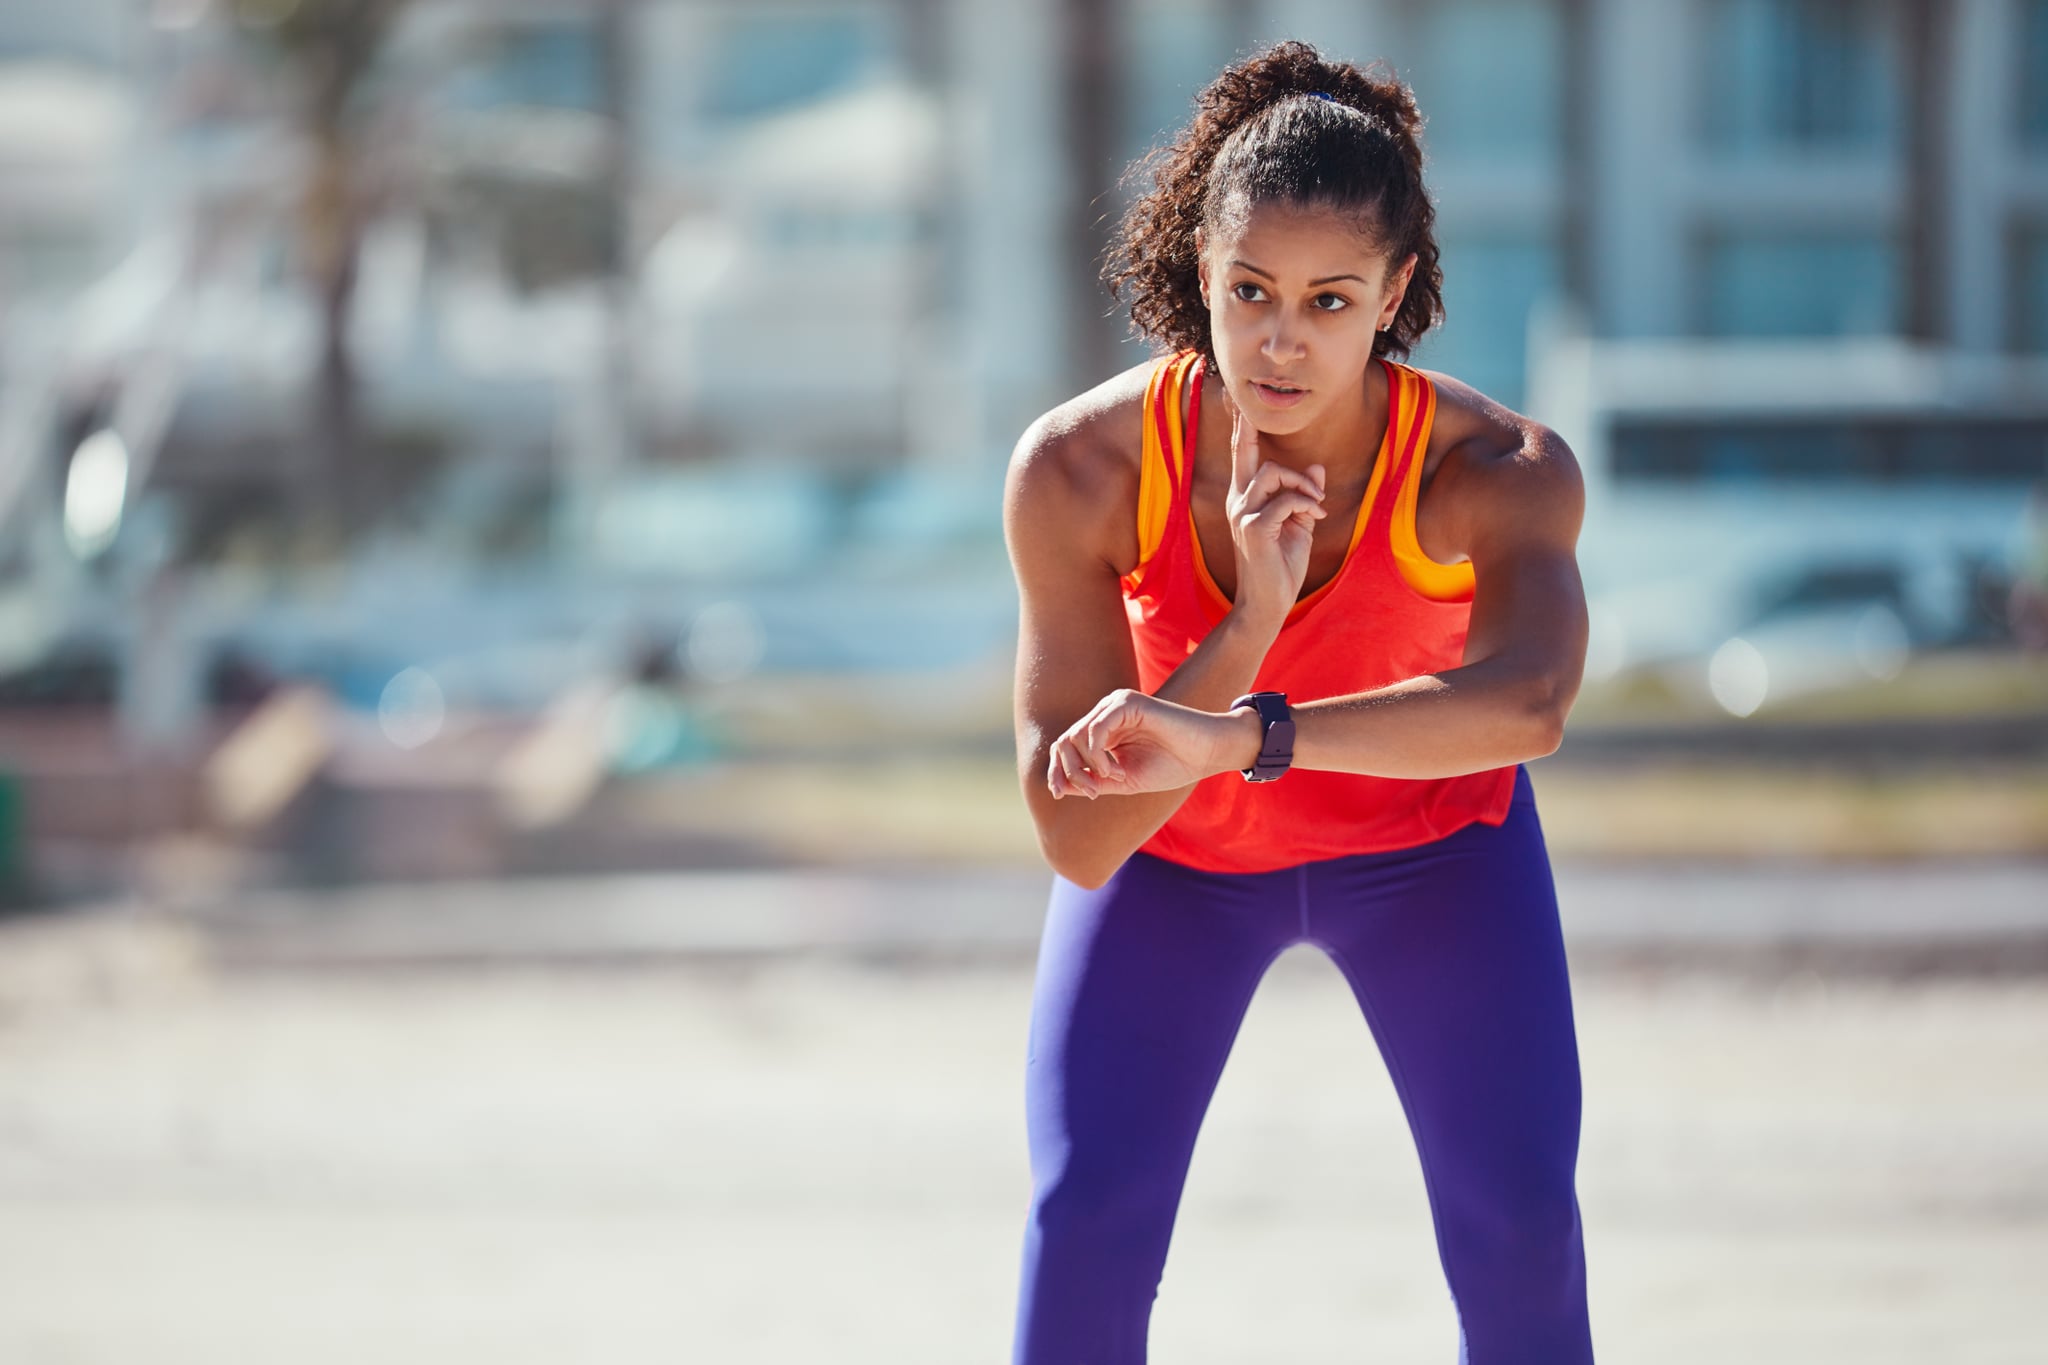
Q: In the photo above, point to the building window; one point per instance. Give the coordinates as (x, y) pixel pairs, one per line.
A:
(2033, 83)
(1175, 50)
(768, 61)
(2030, 300)
(1800, 75)
(1911, 449)
(554, 64)
(1799, 285)
(1491, 285)
(1486, 74)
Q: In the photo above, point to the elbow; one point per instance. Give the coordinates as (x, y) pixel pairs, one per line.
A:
(1075, 866)
(1072, 859)
(1545, 706)
(1088, 879)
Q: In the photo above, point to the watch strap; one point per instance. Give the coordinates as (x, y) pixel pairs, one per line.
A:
(1276, 740)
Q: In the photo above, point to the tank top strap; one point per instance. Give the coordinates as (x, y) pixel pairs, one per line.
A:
(1165, 458)
(1410, 405)
(1177, 440)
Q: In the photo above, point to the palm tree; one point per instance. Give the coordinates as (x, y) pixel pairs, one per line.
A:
(329, 47)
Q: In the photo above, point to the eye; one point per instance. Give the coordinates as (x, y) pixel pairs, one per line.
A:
(1332, 303)
(1239, 288)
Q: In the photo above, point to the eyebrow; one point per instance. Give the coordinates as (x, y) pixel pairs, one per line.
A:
(1327, 279)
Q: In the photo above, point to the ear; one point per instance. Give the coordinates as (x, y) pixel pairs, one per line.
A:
(1201, 265)
(1397, 290)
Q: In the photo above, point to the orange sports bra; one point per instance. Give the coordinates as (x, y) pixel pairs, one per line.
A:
(1389, 613)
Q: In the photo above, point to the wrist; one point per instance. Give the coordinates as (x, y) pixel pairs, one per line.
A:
(1274, 755)
(1253, 627)
(1243, 733)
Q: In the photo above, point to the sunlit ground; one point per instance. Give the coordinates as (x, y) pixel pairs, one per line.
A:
(812, 1161)
(970, 810)
(828, 785)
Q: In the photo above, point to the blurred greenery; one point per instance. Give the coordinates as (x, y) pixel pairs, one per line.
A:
(842, 771)
(970, 810)
(1957, 684)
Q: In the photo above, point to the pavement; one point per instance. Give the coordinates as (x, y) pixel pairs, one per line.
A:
(817, 1158)
(777, 1116)
(1977, 915)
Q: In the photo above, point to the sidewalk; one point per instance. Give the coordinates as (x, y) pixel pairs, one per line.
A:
(1968, 915)
(821, 1159)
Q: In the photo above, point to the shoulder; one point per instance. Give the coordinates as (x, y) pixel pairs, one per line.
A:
(1498, 468)
(1073, 475)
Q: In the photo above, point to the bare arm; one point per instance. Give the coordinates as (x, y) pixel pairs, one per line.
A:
(1063, 518)
(1074, 647)
(1525, 650)
(1524, 653)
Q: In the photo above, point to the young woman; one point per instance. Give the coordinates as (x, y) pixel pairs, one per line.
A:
(1278, 506)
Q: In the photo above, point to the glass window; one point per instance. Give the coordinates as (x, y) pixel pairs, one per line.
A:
(1785, 75)
(1175, 50)
(1794, 285)
(2033, 83)
(551, 64)
(49, 261)
(1487, 75)
(1490, 287)
(2030, 321)
(1916, 449)
(766, 62)
(85, 35)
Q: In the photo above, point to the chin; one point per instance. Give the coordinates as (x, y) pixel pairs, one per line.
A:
(1283, 421)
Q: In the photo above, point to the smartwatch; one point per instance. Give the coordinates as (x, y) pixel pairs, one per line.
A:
(1276, 741)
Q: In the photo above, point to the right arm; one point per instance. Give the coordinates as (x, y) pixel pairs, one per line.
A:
(1068, 514)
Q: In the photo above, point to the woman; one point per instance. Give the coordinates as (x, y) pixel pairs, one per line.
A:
(1279, 507)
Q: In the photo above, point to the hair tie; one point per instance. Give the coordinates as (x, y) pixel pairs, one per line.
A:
(1320, 95)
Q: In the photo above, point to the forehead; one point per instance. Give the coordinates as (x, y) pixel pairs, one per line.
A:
(1294, 241)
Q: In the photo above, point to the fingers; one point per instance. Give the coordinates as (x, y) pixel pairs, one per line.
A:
(1283, 507)
(1067, 773)
(1270, 478)
(1244, 448)
(1098, 734)
(1082, 760)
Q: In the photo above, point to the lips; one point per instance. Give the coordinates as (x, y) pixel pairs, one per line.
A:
(1277, 394)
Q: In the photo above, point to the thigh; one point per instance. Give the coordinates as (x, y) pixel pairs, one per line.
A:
(1454, 952)
(1141, 986)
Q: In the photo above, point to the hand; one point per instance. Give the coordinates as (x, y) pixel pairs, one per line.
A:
(1273, 511)
(1131, 742)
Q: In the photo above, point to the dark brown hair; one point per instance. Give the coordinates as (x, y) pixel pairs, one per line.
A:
(1287, 127)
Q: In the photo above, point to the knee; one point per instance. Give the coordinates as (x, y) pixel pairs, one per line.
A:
(1117, 1210)
(1519, 1278)
(1532, 1238)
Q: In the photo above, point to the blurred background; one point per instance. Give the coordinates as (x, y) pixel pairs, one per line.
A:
(508, 810)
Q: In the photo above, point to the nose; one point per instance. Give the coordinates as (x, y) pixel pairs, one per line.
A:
(1282, 344)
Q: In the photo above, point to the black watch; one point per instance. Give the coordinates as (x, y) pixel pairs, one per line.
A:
(1276, 742)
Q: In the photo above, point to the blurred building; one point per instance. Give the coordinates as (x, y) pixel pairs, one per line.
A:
(1774, 267)
(522, 373)
(1779, 268)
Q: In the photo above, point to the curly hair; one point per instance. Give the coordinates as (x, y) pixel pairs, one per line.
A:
(1283, 126)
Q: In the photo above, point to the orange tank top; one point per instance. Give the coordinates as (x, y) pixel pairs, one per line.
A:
(1388, 614)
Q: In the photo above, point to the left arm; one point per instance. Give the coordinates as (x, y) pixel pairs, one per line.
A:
(1525, 651)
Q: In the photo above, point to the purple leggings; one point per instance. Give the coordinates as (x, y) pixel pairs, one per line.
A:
(1453, 951)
